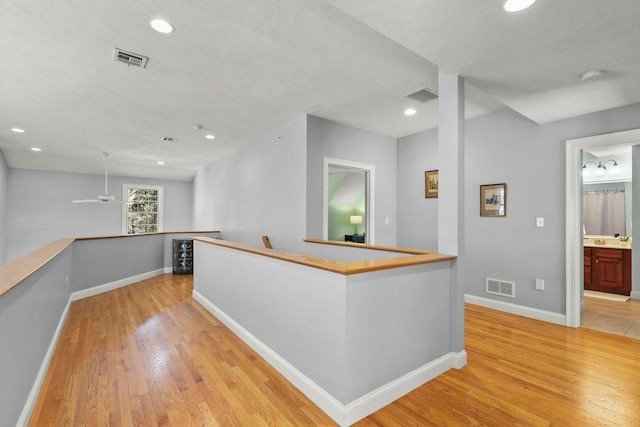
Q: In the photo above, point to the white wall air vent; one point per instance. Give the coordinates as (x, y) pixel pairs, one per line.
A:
(423, 95)
(130, 58)
(501, 287)
(169, 139)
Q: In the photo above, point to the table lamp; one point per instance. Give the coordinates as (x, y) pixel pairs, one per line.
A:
(356, 219)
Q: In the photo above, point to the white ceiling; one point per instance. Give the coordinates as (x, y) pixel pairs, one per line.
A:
(242, 68)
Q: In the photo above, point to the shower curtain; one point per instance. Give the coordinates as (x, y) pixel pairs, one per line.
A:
(604, 212)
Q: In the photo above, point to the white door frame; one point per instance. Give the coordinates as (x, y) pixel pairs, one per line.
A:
(370, 188)
(574, 247)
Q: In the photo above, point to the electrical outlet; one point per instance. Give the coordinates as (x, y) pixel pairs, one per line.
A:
(539, 222)
(540, 284)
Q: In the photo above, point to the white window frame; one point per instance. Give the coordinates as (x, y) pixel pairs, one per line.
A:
(125, 197)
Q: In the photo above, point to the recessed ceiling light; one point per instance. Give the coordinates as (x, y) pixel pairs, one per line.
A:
(17, 130)
(36, 149)
(517, 5)
(161, 26)
(410, 112)
(209, 136)
(160, 162)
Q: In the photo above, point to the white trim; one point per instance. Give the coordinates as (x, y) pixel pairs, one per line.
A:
(344, 415)
(125, 194)
(100, 289)
(168, 270)
(370, 197)
(519, 310)
(382, 396)
(27, 409)
(635, 295)
(573, 229)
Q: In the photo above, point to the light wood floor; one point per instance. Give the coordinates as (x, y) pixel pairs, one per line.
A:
(147, 354)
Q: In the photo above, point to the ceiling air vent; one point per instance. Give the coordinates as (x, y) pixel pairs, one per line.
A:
(169, 139)
(423, 95)
(130, 58)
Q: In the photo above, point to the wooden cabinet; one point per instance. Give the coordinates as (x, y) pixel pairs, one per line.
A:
(587, 267)
(610, 270)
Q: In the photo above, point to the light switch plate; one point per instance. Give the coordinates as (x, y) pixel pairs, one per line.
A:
(539, 222)
(540, 284)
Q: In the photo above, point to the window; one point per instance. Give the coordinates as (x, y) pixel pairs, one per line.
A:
(142, 212)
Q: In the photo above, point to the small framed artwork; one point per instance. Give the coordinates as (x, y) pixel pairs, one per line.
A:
(431, 184)
(493, 200)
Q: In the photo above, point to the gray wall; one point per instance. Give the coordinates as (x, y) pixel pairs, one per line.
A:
(417, 216)
(29, 315)
(257, 190)
(40, 209)
(506, 147)
(100, 261)
(635, 266)
(4, 177)
(330, 139)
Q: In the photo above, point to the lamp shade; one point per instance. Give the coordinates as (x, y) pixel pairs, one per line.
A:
(355, 219)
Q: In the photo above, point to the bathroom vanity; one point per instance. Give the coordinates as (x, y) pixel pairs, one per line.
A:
(607, 265)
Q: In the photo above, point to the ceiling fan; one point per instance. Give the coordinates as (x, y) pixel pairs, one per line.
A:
(104, 198)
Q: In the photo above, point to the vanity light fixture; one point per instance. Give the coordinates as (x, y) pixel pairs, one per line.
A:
(36, 149)
(410, 112)
(210, 136)
(17, 130)
(601, 167)
(160, 162)
(517, 5)
(161, 26)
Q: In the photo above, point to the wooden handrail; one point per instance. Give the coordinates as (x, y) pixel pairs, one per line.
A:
(14, 272)
(423, 257)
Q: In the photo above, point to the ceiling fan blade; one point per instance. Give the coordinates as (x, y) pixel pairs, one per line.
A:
(87, 201)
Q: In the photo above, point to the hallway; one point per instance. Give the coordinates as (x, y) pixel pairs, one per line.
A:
(147, 354)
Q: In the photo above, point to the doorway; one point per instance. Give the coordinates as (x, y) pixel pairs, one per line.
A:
(574, 223)
(348, 205)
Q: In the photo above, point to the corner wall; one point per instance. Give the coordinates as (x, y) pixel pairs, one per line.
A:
(417, 215)
(4, 178)
(635, 231)
(40, 209)
(257, 190)
(330, 139)
(504, 146)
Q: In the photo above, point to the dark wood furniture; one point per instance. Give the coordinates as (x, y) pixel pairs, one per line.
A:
(607, 270)
(357, 238)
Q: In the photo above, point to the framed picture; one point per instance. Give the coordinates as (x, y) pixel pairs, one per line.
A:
(431, 184)
(493, 200)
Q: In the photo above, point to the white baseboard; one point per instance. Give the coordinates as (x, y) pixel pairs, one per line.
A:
(635, 295)
(25, 415)
(100, 289)
(519, 310)
(168, 270)
(344, 415)
(390, 392)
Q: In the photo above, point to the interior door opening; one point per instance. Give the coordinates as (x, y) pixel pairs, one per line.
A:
(347, 201)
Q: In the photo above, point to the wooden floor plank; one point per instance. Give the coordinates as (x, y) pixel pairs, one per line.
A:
(147, 354)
